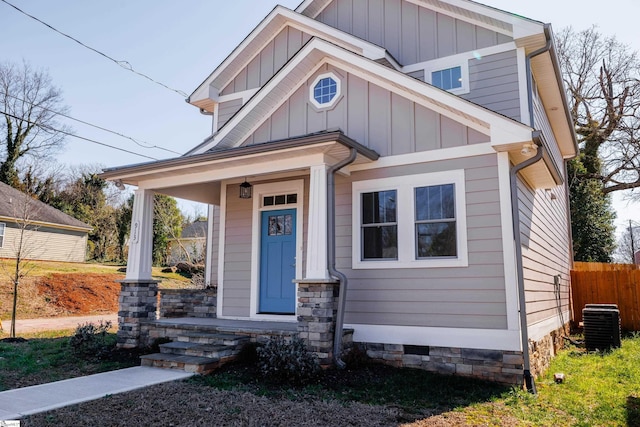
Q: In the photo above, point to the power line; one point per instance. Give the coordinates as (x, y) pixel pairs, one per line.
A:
(76, 136)
(92, 125)
(124, 64)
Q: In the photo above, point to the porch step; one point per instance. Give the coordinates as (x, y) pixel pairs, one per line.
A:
(199, 365)
(200, 350)
(212, 338)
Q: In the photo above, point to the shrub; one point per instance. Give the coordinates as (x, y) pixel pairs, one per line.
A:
(285, 361)
(356, 357)
(91, 340)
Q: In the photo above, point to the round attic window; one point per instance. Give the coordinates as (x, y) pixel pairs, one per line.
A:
(325, 91)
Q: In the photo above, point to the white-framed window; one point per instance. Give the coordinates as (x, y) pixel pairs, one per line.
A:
(452, 76)
(3, 227)
(414, 221)
(325, 91)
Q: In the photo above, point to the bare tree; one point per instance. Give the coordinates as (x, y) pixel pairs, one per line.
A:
(20, 239)
(602, 77)
(29, 104)
(628, 243)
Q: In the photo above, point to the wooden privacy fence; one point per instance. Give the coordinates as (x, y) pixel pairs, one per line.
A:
(621, 287)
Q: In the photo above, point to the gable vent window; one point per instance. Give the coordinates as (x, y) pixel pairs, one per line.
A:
(448, 79)
(324, 92)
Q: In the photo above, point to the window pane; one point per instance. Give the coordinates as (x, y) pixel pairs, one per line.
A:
(379, 207)
(280, 200)
(446, 79)
(380, 242)
(436, 79)
(268, 201)
(292, 198)
(456, 77)
(435, 202)
(436, 239)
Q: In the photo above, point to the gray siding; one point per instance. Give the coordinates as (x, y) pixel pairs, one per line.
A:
(274, 55)
(541, 122)
(464, 297)
(373, 116)
(45, 243)
(546, 251)
(215, 249)
(409, 32)
(493, 83)
(227, 109)
(237, 255)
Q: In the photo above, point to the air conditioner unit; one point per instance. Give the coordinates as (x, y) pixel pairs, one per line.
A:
(601, 326)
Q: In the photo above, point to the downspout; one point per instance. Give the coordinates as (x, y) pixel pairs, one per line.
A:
(331, 255)
(515, 216)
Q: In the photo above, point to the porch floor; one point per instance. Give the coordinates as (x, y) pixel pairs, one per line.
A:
(229, 325)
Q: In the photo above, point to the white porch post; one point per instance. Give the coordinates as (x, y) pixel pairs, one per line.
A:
(141, 237)
(317, 232)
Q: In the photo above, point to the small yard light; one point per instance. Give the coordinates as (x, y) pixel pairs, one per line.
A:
(246, 190)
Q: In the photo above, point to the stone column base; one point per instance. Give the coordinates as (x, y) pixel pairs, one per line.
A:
(137, 302)
(317, 311)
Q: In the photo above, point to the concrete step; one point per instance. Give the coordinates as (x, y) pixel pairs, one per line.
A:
(195, 364)
(212, 338)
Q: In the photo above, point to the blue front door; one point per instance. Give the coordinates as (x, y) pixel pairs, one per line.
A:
(277, 261)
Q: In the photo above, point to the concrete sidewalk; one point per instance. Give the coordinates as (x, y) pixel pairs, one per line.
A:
(19, 402)
(26, 326)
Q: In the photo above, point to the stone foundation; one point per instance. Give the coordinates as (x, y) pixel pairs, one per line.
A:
(187, 303)
(317, 312)
(492, 365)
(137, 303)
(542, 351)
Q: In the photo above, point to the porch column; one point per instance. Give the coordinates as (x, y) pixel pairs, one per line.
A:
(317, 227)
(138, 292)
(141, 236)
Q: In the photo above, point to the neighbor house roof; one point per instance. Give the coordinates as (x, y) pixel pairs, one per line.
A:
(197, 229)
(14, 204)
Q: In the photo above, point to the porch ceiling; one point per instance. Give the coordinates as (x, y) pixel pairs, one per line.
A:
(197, 177)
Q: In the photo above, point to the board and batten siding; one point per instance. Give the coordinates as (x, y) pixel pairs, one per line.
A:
(227, 109)
(546, 251)
(461, 297)
(215, 247)
(493, 83)
(266, 63)
(45, 244)
(375, 117)
(410, 33)
(236, 291)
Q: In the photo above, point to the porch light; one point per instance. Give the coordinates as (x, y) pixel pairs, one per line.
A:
(246, 190)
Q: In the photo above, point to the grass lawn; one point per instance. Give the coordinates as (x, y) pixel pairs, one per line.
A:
(600, 389)
(47, 356)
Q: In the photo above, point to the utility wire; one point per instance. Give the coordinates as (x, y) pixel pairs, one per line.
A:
(141, 144)
(75, 136)
(124, 64)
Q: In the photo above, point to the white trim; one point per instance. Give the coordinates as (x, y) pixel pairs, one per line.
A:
(263, 318)
(482, 339)
(245, 95)
(259, 191)
(209, 246)
(460, 57)
(461, 152)
(522, 86)
(508, 243)
(542, 328)
(405, 185)
(317, 224)
(3, 227)
(221, 241)
(329, 105)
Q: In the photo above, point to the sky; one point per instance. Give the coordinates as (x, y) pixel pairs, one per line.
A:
(179, 43)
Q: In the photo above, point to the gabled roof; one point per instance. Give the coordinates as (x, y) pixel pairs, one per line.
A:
(206, 94)
(13, 204)
(317, 53)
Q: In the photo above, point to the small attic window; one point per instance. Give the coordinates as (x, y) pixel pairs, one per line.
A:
(450, 75)
(450, 78)
(325, 91)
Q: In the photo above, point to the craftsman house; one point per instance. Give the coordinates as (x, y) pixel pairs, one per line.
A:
(36, 231)
(388, 170)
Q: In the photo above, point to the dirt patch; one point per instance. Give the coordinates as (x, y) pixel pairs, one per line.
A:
(81, 293)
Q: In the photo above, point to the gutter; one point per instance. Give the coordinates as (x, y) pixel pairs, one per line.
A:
(331, 254)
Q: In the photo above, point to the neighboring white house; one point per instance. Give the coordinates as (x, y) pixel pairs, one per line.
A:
(47, 233)
(441, 128)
